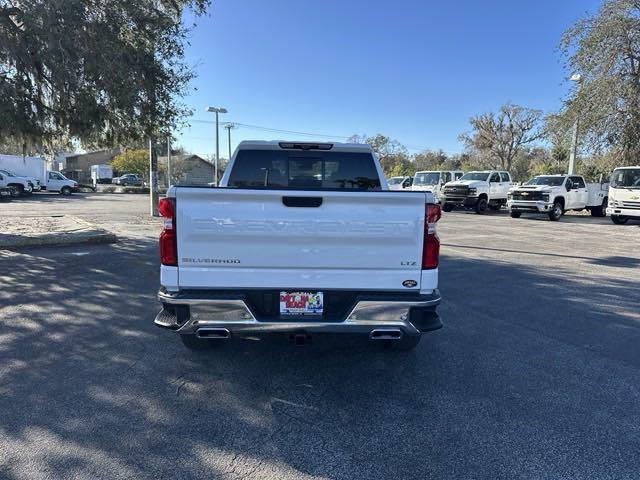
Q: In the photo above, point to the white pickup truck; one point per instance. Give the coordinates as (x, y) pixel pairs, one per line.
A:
(301, 239)
(16, 184)
(555, 194)
(481, 191)
(5, 191)
(624, 195)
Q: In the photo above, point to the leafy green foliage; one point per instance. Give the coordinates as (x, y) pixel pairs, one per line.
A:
(132, 161)
(107, 72)
(604, 49)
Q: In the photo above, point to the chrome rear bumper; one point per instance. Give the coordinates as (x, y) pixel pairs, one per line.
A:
(410, 317)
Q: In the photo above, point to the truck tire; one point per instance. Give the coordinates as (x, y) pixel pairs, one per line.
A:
(17, 189)
(619, 219)
(601, 210)
(556, 212)
(447, 207)
(194, 343)
(65, 191)
(481, 206)
(515, 214)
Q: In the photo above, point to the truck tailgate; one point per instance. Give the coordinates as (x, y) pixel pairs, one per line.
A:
(244, 238)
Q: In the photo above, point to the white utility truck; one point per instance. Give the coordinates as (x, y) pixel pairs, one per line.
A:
(102, 173)
(624, 195)
(301, 239)
(434, 180)
(399, 183)
(555, 194)
(481, 191)
(32, 169)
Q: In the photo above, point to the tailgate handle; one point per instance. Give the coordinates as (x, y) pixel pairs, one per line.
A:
(306, 202)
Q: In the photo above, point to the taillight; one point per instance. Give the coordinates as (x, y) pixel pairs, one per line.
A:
(431, 244)
(168, 243)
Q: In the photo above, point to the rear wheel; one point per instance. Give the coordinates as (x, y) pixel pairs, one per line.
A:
(447, 207)
(481, 206)
(601, 210)
(515, 214)
(194, 343)
(17, 190)
(556, 212)
(619, 220)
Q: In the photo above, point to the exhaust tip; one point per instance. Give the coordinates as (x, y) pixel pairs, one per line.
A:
(386, 334)
(213, 333)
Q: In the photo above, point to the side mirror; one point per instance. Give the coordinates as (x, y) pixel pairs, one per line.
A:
(569, 186)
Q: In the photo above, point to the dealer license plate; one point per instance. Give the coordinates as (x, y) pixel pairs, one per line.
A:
(301, 303)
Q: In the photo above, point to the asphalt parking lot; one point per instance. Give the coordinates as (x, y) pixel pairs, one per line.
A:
(535, 375)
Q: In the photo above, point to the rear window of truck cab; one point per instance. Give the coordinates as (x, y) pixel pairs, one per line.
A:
(300, 169)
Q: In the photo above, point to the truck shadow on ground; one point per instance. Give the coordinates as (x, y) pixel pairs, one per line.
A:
(610, 261)
(50, 197)
(570, 217)
(88, 379)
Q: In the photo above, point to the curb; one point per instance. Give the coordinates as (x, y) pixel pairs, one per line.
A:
(59, 240)
(94, 236)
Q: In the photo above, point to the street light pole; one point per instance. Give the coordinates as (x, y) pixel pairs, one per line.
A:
(168, 161)
(229, 126)
(153, 179)
(574, 137)
(216, 110)
(215, 167)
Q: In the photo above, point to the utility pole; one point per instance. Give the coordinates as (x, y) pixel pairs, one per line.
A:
(229, 126)
(216, 110)
(168, 161)
(574, 137)
(574, 148)
(153, 179)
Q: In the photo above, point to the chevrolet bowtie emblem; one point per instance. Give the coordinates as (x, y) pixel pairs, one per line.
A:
(524, 194)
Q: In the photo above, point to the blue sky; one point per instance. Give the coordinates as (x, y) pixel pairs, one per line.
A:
(413, 70)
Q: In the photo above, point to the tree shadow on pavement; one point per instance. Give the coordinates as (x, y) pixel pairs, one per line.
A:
(534, 374)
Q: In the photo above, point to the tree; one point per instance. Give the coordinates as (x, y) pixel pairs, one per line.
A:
(102, 72)
(132, 161)
(390, 152)
(498, 138)
(429, 160)
(604, 49)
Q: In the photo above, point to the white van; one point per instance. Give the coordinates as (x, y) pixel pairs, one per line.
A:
(433, 181)
(57, 182)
